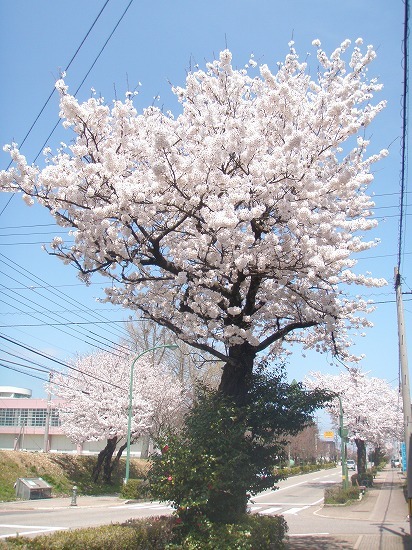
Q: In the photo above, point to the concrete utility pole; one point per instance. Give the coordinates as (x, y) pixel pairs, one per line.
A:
(343, 432)
(405, 388)
(46, 446)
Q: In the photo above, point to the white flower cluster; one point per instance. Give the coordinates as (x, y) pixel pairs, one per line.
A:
(95, 400)
(236, 221)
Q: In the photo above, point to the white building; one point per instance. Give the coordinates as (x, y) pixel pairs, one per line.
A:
(28, 424)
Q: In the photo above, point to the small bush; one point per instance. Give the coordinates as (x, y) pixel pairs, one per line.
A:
(252, 533)
(367, 478)
(153, 533)
(303, 469)
(135, 489)
(338, 495)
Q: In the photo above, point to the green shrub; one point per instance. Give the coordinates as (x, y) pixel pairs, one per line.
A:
(306, 468)
(135, 489)
(367, 478)
(153, 533)
(226, 451)
(338, 495)
(252, 533)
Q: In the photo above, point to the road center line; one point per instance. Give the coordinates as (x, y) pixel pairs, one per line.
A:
(306, 534)
(266, 493)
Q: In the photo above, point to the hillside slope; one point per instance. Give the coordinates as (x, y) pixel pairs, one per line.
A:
(62, 471)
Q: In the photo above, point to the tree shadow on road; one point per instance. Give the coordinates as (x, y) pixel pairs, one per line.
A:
(318, 542)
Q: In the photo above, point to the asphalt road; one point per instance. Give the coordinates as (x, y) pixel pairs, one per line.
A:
(299, 499)
(46, 519)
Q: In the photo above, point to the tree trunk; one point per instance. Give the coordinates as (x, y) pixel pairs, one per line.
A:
(236, 376)
(229, 507)
(104, 460)
(145, 446)
(108, 466)
(361, 457)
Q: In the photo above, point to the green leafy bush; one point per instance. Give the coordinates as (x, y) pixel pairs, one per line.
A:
(144, 534)
(135, 489)
(306, 468)
(226, 452)
(252, 533)
(367, 478)
(163, 533)
(338, 495)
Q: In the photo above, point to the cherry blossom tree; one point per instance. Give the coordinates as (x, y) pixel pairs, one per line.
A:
(372, 408)
(95, 402)
(234, 224)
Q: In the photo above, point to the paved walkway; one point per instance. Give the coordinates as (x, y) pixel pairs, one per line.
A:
(383, 507)
(62, 502)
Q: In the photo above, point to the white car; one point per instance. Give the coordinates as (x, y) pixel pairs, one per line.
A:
(351, 464)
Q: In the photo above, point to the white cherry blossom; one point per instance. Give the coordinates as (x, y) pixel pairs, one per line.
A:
(235, 223)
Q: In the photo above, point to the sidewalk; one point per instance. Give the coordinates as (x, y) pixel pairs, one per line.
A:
(383, 507)
(61, 502)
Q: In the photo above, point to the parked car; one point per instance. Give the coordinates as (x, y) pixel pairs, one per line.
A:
(351, 464)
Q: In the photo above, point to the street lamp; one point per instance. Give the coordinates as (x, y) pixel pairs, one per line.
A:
(129, 419)
(343, 432)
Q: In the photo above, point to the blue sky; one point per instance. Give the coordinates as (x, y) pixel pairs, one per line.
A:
(156, 44)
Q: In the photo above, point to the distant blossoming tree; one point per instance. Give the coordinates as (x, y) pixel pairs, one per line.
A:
(95, 403)
(233, 224)
(372, 408)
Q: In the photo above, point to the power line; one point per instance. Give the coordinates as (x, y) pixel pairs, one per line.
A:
(51, 94)
(57, 361)
(22, 372)
(66, 69)
(22, 365)
(404, 136)
(55, 292)
(80, 85)
(62, 324)
(85, 76)
(56, 327)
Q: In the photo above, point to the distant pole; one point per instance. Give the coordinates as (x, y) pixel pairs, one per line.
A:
(47, 423)
(129, 416)
(404, 383)
(343, 450)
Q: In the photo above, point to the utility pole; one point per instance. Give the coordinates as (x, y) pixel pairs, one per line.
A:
(343, 432)
(405, 388)
(47, 423)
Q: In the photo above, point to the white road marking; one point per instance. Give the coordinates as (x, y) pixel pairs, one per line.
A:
(294, 511)
(270, 510)
(142, 505)
(358, 542)
(307, 534)
(266, 493)
(289, 503)
(33, 529)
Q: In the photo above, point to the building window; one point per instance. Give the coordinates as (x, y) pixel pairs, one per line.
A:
(54, 418)
(37, 417)
(28, 417)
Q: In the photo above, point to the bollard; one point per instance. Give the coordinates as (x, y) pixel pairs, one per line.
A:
(74, 497)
